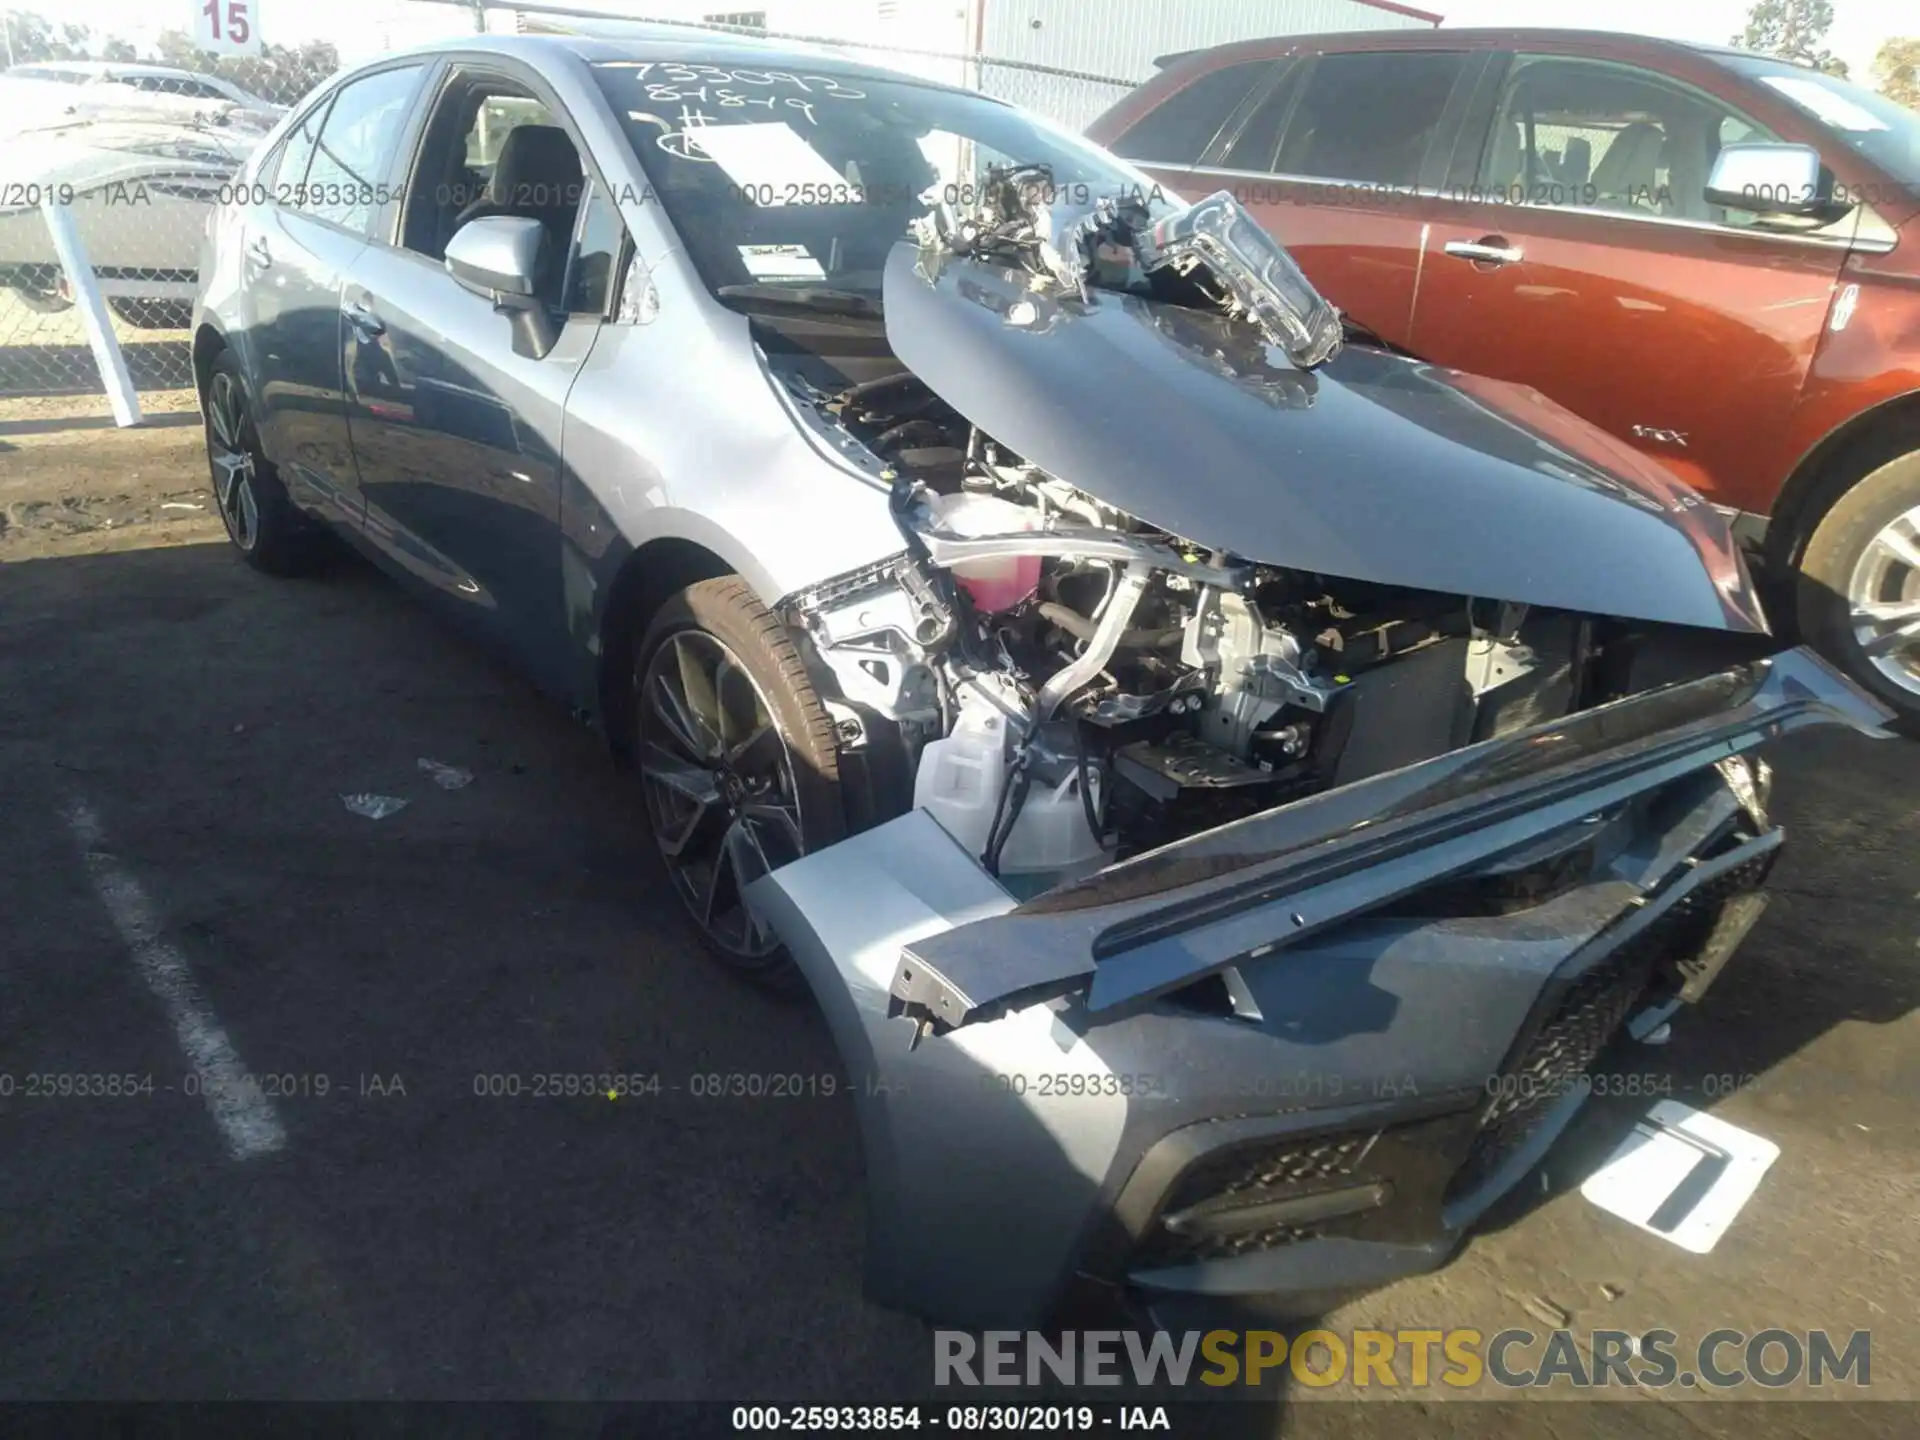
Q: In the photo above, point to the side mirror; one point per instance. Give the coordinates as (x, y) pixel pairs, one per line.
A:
(1782, 182)
(497, 256)
(500, 257)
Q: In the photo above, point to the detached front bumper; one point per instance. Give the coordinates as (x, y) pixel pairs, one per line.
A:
(1298, 1055)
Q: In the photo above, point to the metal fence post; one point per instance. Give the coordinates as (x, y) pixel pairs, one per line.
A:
(93, 313)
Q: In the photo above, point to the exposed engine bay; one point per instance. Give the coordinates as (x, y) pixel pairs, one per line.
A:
(1063, 685)
(1069, 686)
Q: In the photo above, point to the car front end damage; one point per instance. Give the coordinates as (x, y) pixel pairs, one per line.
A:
(1275, 769)
(1297, 1056)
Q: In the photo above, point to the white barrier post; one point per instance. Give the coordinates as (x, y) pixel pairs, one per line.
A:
(93, 313)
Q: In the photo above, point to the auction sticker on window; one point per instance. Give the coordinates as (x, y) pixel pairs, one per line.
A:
(780, 262)
(769, 162)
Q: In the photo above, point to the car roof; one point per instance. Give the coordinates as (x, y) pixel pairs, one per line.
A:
(639, 40)
(116, 67)
(1472, 37)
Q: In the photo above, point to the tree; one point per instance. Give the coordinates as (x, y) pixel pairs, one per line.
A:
(1896, 70)
(1793, 30)
(176, 48)
(280, 73)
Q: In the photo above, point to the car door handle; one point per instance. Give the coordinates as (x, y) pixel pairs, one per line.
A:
(259, 252)
(1486, 251)
(364, 320)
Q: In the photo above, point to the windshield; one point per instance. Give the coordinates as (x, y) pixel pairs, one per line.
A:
(805, 179)
(1886, 133)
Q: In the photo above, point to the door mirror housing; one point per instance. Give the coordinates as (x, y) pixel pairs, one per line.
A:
(497, 256)
(500, 257)
(1781, 183)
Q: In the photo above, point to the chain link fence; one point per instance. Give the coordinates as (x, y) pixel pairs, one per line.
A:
(135, 155)
(130, 159)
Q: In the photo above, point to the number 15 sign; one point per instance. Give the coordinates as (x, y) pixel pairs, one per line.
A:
(231, 27)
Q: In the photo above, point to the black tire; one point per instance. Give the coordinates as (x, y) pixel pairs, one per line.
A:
(266, 529)
(42, 302)
(1848, 560)
(720, 799)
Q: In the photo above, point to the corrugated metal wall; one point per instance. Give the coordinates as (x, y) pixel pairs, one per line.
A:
(1121, 37)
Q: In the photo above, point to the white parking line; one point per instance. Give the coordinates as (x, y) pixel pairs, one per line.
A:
(245, 1116)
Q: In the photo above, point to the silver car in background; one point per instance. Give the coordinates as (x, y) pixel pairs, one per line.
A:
(1223, 781)
(161, 93)
(140, 192)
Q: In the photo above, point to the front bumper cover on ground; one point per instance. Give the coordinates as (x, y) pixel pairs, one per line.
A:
(1299, 1054)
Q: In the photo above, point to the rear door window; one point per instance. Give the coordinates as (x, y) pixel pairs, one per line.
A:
(284, 176)
(1259, 138)
(1180, 128)
(1370, 116)
(347, 182)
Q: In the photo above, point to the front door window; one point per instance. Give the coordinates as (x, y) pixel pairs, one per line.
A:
(1588, 134)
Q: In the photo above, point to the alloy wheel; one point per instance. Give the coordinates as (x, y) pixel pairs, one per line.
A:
(719, 785)
(232, 459)
(1885, 600)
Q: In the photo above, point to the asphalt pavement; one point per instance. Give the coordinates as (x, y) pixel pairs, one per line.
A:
(380, 1215)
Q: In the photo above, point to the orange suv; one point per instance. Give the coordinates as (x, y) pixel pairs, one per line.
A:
(1712, 254)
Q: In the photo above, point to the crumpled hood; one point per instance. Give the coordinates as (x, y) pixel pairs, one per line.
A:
(1372, 467)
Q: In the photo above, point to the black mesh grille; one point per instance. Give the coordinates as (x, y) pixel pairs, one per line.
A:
(1170, 1249)
(1295, 1165)
(1700, 909)
(1561, 1051)
(1282, 1169)
(1585, 1021)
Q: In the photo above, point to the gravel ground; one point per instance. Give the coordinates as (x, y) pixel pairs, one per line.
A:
(410, 1238)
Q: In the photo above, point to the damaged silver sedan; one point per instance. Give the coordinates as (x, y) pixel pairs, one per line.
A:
(1223, 781)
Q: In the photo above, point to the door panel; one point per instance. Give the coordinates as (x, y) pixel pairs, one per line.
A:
(293, 264)
(1364, 255)
(298, 264)
(457, 437)
(1587, 264)
(457, 440)
(297, 253)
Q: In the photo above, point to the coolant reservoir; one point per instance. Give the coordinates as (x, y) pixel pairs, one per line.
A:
(1051, 837)
(960, 777)
(959, 783)
(998, 584)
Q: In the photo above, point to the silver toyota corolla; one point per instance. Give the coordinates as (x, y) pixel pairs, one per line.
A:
(1224, 781)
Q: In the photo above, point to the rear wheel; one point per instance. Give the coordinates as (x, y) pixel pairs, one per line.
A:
(42, 302)
(262, 523)
(1860, 585)
(737, 763)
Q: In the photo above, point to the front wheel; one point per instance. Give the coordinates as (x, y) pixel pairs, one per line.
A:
(737, 763)
(1860, 585)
